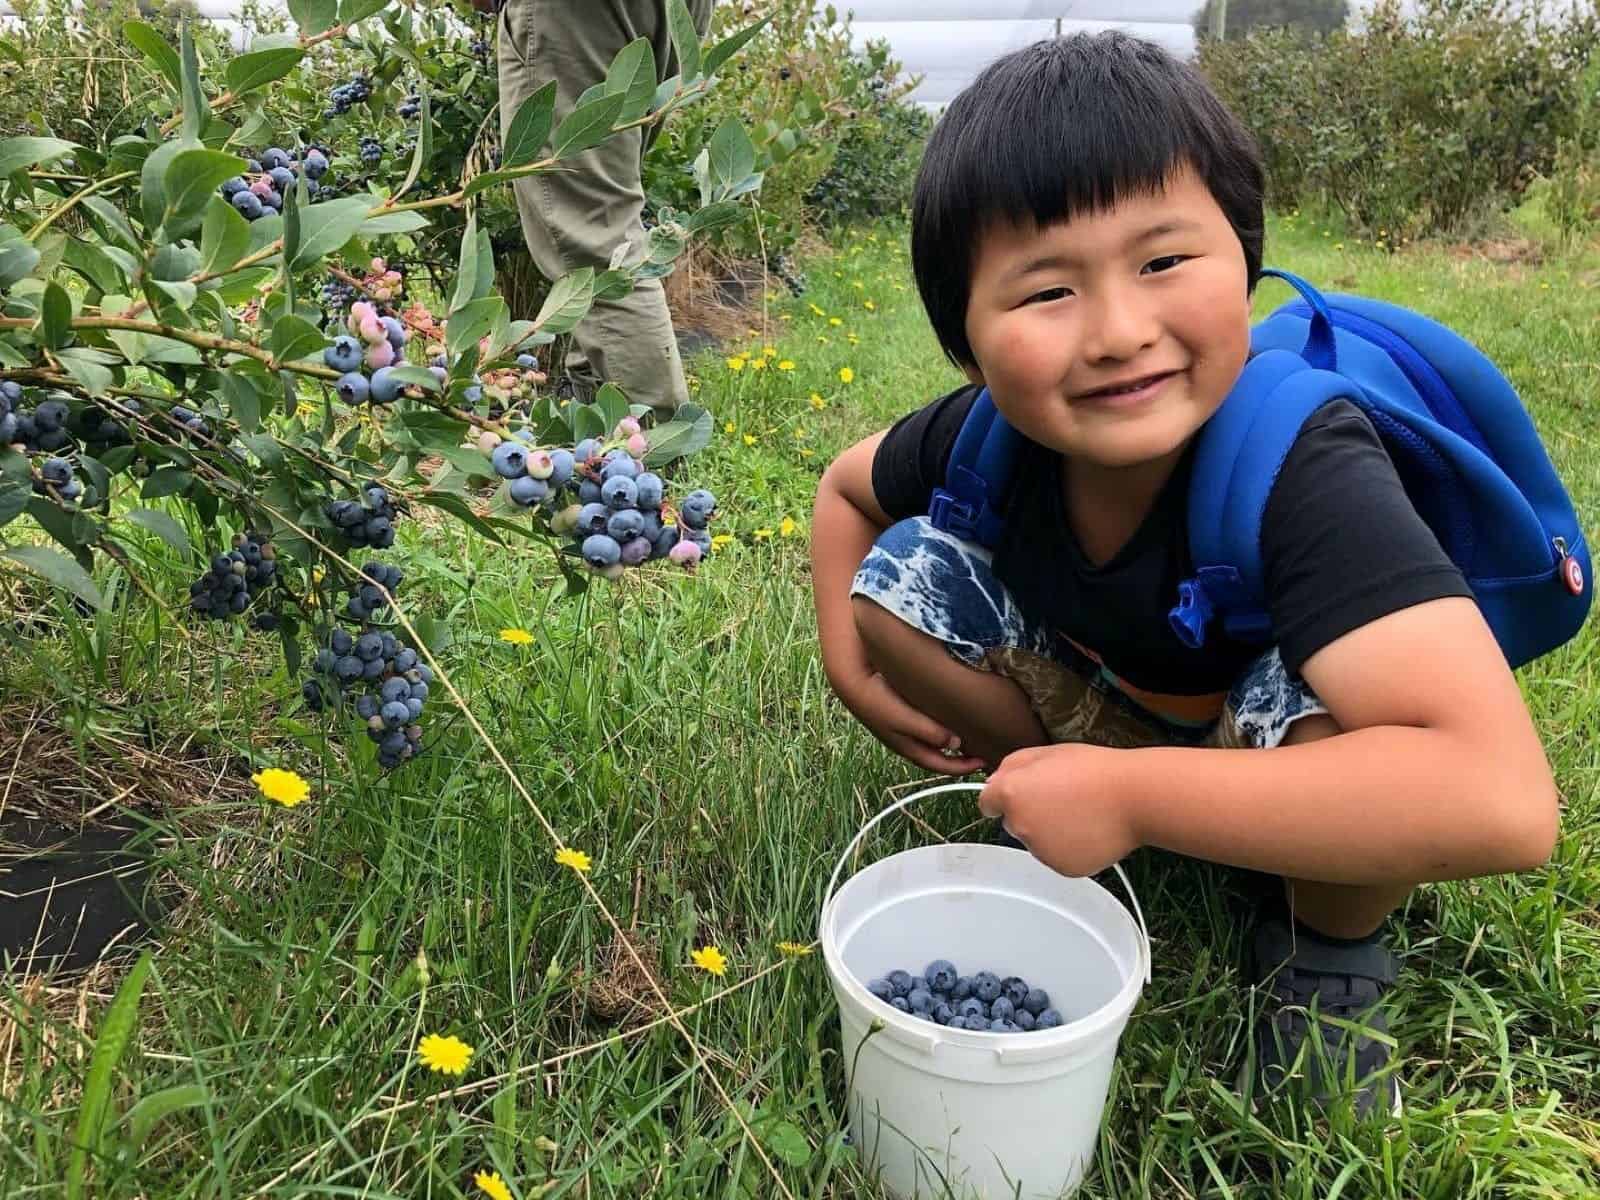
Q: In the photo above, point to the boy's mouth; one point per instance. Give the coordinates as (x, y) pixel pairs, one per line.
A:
(1129, 390)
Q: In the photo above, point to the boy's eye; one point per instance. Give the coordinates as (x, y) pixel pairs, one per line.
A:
(1049, 294)
(1166, 262)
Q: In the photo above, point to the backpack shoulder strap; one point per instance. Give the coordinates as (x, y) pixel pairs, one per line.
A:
(1238, 457)
(977, 476)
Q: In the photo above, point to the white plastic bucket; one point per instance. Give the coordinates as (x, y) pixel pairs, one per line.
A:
(939, 1112)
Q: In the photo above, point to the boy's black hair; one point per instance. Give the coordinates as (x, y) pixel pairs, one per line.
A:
(1065, 126)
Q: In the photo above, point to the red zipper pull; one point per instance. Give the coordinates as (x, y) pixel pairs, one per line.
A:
(1569, 568)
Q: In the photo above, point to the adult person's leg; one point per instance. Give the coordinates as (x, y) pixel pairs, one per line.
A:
(577, 215)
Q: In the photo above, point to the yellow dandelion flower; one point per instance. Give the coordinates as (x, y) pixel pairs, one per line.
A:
(835, 321)
(285, 787)
(576, 859)
(821, 341)
(758, 364)
(806, 453)
(786, 365)
(736, 363)
(491, 1185)
(749, 439)
(709, 958)
(1338, 245)
(799, 432)
(446, 1055)
(846, 375)
(838, 274)
(718, 541)
(770, 351)
(793, 949)
(817, 402)
(728, 428)
(858, 284)
(816, 310)
(786, 527)
(762, 535)
(785, 316)
(517, 637)
(868, 305)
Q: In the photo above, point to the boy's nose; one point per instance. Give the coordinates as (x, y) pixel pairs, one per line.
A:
(1119, 329)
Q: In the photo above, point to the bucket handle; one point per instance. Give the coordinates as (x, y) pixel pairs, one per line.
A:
(827, 897)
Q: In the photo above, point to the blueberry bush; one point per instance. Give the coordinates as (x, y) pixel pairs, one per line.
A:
(197, 334)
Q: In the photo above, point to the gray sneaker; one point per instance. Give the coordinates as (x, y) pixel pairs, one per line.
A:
(1343, 980)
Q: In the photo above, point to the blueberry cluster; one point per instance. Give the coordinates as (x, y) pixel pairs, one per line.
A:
(366, 598)
(395, 679)
(375, 342)
(99, 428)
(55, 474)
(261, 189)
(368, 524)
(480, 48)
(336, 295)
(40, 429)
(983, 1002)
(784, 268)
(616, 519)
(410, 107)
(225, 589)
(371, 150)
(345, 96)
(191, 420)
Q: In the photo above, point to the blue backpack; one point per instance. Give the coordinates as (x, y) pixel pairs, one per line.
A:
(1462, 443)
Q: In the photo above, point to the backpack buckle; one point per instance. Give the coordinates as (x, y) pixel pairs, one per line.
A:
(1192, 614)
(952, 514)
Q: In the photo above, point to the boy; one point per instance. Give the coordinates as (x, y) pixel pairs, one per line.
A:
(1086, 235)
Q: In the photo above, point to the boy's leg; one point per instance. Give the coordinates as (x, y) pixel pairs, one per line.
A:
(988, 712)
(1337, 909)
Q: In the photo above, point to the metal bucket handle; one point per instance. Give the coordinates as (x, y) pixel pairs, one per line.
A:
(827, 897)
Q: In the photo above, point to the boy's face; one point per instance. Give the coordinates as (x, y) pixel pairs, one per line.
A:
(1150, 293)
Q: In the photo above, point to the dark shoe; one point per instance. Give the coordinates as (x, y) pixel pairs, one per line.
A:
(1345, 980)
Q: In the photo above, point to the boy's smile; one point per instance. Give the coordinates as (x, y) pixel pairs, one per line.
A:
(1113, 336)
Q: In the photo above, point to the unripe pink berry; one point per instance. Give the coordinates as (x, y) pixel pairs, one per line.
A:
(373, 331)
(685, 553)
(638, 445)
(488, 440)
(627, 427)
(379, 354)
(262, 187)
(540, 465)
(378, 264)
(360, 311)
(382, 293)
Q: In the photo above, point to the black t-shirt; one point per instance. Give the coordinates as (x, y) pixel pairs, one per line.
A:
(1341, 546)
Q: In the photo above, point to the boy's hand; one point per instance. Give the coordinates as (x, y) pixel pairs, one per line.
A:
(907, 731)
(1063, 804)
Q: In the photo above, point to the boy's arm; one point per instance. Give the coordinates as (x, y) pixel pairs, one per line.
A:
(846, 520)
(1439, 773)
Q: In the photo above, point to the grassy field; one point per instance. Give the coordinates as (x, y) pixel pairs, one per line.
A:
(680, 732)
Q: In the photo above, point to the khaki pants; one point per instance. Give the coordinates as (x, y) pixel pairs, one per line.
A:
(576, 215)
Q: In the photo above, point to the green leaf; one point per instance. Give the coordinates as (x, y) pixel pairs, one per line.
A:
(152, 181)
(633, 74)
(688, 431)
(294, 338)
(485, 180)
(568, 301)
(731, 45)
(458, 508)
(190, 182)
(474, 319)
(55, 317)
(713, 216)
(148, 42)
(13, 499)
(115, 222)
(16, 261)
(195, 107)
(314, 16)
(116, 1031)
(61, 571)
(19, 152)
(94, 264)
(168, 481)
(685, 39)
(224, 236)
(87, 367)
(398, 222)
(588, 125)
(665, 91)
(260, 67)
(531, 126)
(467, 266)
(420, 376)
(325, 227)
(587, 423)
(162, 525)
(152, 1109)
(351, 11)
(787, 1142)
(612, 403)
(181, 292)
(733, 155)
(243, 400)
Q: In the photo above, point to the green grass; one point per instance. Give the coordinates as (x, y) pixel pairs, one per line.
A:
(680, 731)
